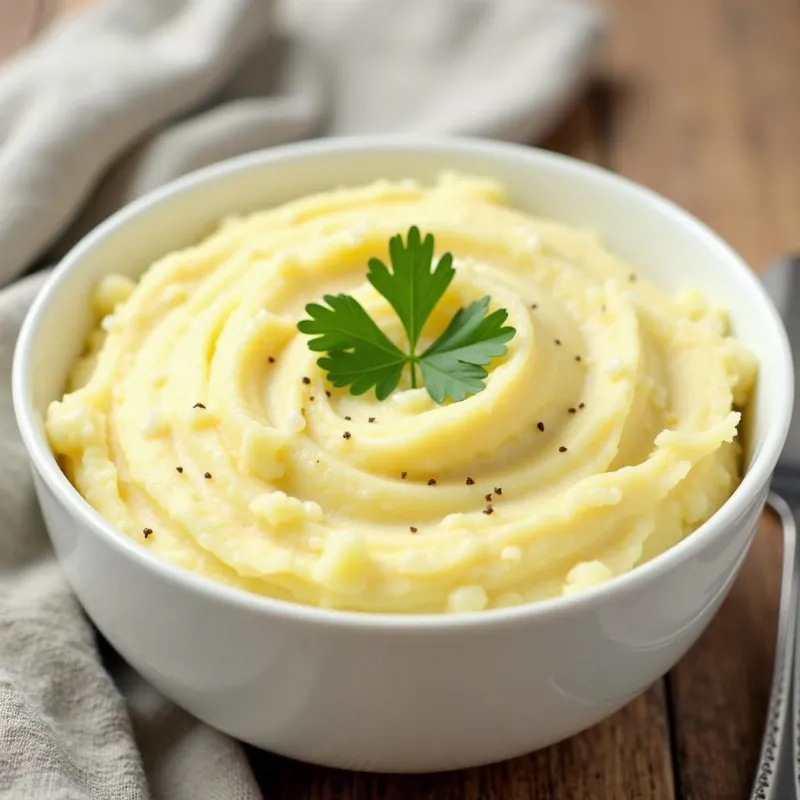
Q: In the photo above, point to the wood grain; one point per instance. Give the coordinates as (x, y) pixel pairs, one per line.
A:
(700, 100)
(710, 114)
(719, 691)
(710, 117)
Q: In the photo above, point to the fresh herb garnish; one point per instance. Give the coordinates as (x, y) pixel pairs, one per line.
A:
(360, 355)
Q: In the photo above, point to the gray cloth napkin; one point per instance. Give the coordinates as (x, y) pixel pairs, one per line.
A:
(117, 100)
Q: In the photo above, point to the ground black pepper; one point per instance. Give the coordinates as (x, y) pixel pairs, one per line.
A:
(431, 481)
(412, 529)
(346, 435)
(306, 380)
(270, 359)
(540, 426)
(562, 449)
(469, 481)
(498, 490)
(371, 419)
(349, 419)
(572, 410)
(147, 532)
(489, 509)
(581, 405)
(198, 405)
(207, 476)
(557, 341)
(578, 358)
(403, 475)
(179, 469)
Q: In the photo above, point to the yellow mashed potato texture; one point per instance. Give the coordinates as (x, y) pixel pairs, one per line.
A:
(199, 424)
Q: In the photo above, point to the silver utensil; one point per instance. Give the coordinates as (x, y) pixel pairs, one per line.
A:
(773, 781)
(777, 777)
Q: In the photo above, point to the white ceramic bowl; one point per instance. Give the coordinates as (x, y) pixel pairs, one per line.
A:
(399, 693)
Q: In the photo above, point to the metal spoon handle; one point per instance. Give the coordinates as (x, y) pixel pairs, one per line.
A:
(767, 785)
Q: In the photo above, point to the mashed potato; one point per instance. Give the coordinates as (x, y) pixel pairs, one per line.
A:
(199, 424)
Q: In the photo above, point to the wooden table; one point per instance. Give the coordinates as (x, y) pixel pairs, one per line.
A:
(700, 100)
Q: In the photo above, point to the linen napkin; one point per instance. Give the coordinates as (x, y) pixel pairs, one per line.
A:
(121, 98)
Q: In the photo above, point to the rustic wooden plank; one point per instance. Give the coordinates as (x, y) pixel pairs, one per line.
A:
(582, 133)
(622, 757)
(711, 119)
(710, 115)
(720, 689)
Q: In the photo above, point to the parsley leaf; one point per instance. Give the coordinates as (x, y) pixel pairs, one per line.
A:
(453, 365)
(412, 289)
(361, 356)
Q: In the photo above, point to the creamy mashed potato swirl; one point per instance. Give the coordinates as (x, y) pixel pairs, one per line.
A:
(199, 424)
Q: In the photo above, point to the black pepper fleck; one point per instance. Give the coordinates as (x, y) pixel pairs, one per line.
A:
(371, 419)
(147, 532)
(346, 435)
(534, 306)
(540, 426)
(489, 509)
(349, 419)
(306, 380)
(327, 393)
(431, 481)
(179, 469)
(562, 449)
(469, 481)
(403, 475)
(488, 497)
(271, 359)
(578, 358)
(207, 476)
(557, 341)
(311, 398)
(412, 529)
(572, 410)
(581, 405)
(498, 490)
(198, 405)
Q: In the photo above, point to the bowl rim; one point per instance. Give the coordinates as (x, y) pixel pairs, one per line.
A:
(753, 482)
